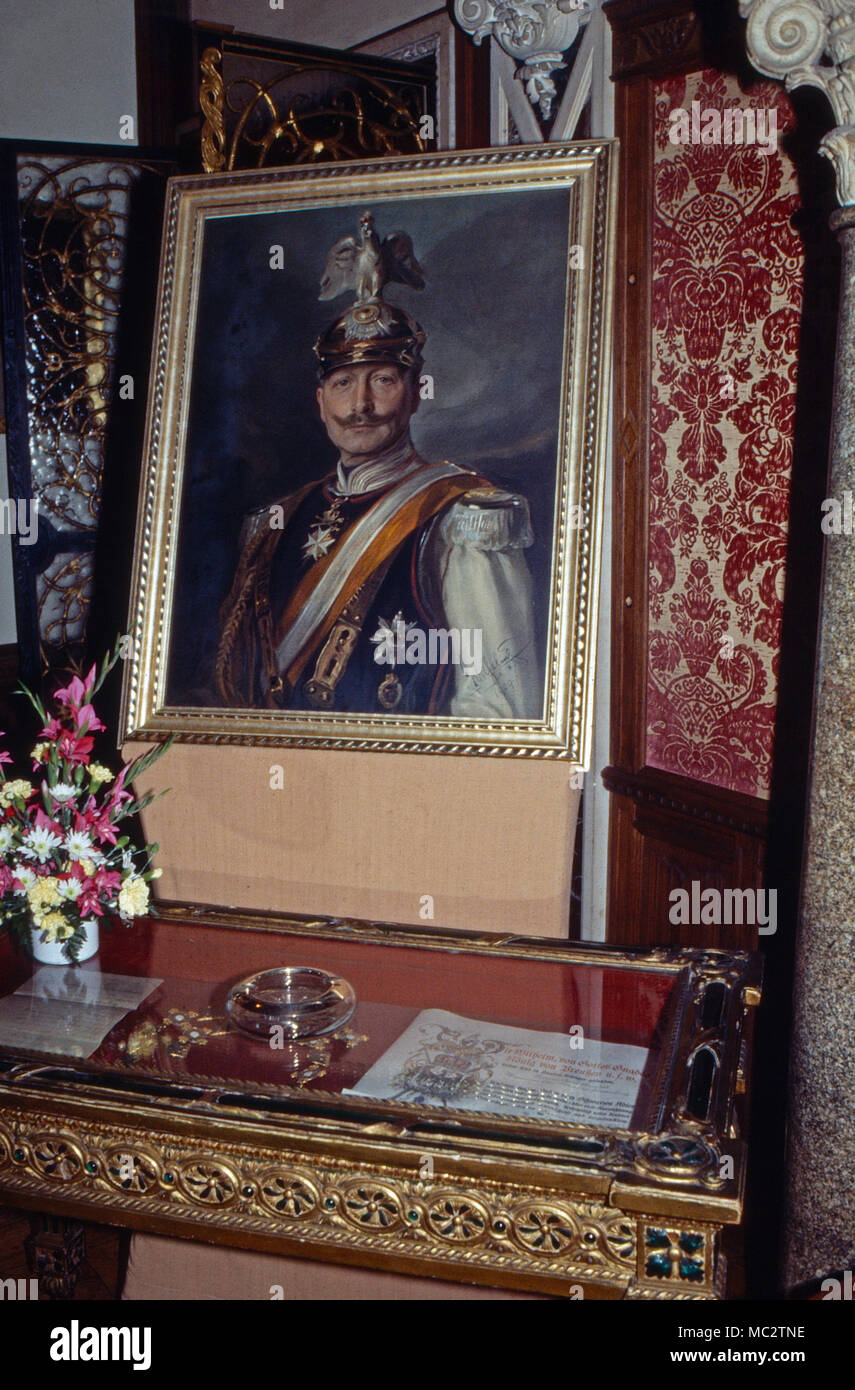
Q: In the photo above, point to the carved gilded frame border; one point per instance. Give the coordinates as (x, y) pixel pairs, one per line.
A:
(588, 171)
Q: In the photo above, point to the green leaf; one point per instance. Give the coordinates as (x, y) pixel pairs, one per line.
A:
(34, 700)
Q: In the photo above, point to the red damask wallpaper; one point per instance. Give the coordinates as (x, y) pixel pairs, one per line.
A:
(727, 278)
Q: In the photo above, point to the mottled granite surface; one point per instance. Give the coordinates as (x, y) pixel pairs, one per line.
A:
(820, 1235)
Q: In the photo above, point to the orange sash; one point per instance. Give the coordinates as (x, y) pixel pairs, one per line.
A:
(410, 517)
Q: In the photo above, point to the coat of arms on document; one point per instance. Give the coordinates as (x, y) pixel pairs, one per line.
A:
(459, 1063)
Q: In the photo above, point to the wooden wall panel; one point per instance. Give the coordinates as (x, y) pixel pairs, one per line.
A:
(667, 832)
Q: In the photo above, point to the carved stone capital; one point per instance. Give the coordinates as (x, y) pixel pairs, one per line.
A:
(812, 43)
(839, 146)
(535, 33)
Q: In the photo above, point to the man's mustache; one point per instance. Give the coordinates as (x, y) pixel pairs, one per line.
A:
(347, 422)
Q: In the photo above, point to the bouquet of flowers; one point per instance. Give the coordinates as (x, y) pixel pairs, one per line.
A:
(63, 863)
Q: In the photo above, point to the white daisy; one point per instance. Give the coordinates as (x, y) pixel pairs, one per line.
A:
(25, 875)
(78, 845)
(6, 837)
(40, 843)
(63, 791)
(69, 888)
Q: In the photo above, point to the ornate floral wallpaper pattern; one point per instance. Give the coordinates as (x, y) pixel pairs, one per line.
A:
(727, 276)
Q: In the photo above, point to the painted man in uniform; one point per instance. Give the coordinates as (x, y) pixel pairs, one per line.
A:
(335, 581)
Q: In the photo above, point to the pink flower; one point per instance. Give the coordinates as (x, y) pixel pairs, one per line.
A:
(105, 829)
(95, 821)
(74, 748)
(45, 823)
(105, 881)
(88, 719)
(73, 693)
(118, 796)
(7, 880)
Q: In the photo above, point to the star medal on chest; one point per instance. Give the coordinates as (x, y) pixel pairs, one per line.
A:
(390, 638)
(324, 531)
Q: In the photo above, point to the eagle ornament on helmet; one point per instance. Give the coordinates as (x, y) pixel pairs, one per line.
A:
(371, 330)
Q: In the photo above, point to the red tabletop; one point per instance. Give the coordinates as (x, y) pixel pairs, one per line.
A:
(199, 963)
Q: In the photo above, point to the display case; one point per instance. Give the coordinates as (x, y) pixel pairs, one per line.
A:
(179, 1122)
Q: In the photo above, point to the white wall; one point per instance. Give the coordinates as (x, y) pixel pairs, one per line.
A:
(67, 69)
(329, 23)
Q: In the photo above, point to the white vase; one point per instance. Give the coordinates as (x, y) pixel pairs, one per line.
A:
(53, 953)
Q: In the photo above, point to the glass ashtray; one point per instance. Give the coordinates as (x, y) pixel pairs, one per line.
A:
(300, 1000)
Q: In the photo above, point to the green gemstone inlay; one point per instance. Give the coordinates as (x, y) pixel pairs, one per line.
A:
(167, 1177)
(691, 1269)
(690, 1242)
(329, 1203)
(656, 1238)
(92, 1166)
(659, 1266)
(19, 1155)
(412, 1216)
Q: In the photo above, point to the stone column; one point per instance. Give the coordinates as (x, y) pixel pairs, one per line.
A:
(820, 1233)
(788, 39)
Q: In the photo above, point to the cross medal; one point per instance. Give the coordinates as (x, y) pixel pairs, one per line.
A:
(324, 532)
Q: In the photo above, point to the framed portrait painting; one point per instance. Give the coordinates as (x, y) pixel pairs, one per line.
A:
(372, 493)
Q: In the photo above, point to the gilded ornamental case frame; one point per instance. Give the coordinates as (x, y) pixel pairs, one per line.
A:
(372, 490)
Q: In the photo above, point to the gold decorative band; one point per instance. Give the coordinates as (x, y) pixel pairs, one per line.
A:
(211, 100)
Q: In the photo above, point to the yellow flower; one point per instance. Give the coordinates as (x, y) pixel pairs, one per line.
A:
(43, 894)
(41, 752)
(133, 897)
(88, 867)
(17, 788)
(99, 773)
(55, 927)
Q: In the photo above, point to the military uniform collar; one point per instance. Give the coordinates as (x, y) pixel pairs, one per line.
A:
(379, 472)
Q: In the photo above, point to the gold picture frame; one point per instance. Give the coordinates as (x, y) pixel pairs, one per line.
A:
(517, 247)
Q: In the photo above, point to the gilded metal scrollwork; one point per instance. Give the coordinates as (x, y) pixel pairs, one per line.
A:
(63, 593)
(211, 100)
(248, 121)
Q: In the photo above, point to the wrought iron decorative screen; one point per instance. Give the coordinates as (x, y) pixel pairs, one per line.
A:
(272, 104)
(79, 239)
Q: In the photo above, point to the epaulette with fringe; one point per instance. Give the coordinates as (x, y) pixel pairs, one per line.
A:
(489, 519)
